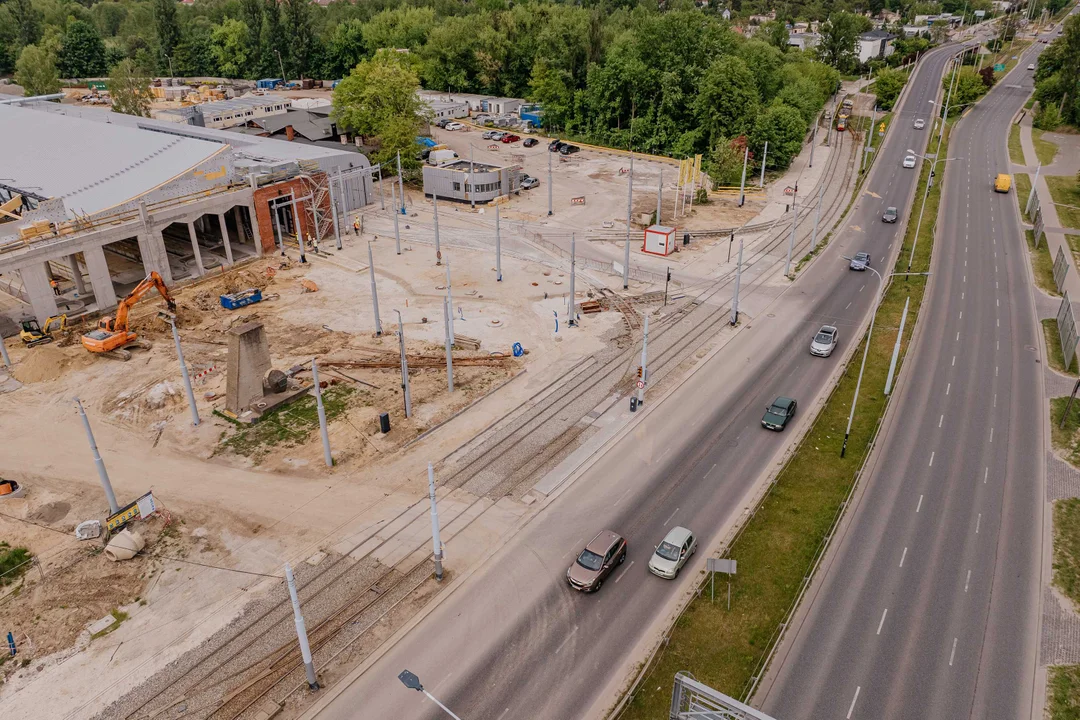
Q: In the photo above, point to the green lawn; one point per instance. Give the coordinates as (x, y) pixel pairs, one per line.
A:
(1016, 150)
(778, 545)
(1065, 438)
(289, 425)
(1042, 264)
(1022, 182)
(1065, 193)
(1045, 149)
(1063, 693)
(1067, 543)
(1053, 348)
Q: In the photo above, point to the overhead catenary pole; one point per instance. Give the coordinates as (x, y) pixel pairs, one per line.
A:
(184, 372)
(573, 272)
(794, 224)
(866, 351)
(644, 366)
(742, 184)
(327, 457)
(374, 292)
(404, 366)
(333, 210)
(438, 250)
(498, 245)
(549, 183)
(817, 212)
(629, 211)
(813, 144)
(659, 195)
(397, 231)
(896, 348)
(450, 299)
(4, 353)
(764, 157)
(401, 184)
(738, 280)
(869, 138)
(472, 188)
(301, 631)
(449, 345)
(103, 475)
(435, 539)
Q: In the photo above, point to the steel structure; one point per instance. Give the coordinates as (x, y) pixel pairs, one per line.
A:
(692, 700)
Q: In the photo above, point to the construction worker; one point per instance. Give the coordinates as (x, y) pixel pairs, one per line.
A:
(55, 287)
(314, 244)
(356, 226)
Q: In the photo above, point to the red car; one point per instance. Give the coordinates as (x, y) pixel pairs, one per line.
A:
(511, 138)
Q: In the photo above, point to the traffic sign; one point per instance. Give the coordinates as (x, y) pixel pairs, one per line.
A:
(1000, 67)
(641, 384)
(789, 190)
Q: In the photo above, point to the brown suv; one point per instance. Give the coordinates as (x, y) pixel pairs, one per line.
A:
(596, 561)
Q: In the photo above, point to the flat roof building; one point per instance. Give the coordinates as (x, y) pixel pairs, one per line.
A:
(471, 182)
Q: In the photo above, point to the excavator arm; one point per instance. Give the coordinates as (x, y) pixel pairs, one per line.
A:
(150, 282)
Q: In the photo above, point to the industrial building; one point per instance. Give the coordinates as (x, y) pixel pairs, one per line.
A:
(471, 182)
(228, 113)
(92, 201)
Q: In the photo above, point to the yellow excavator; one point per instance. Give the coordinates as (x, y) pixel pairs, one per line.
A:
(31, 333)
(112, 337)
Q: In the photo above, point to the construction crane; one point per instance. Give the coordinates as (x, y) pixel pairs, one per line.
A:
(31, 333)
(112, 337)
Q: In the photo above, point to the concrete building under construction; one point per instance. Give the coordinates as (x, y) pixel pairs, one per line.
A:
(92, 201)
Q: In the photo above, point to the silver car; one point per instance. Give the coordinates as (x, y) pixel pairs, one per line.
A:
(919, 124)
(909, 161)
(672, 553)
(824, 342)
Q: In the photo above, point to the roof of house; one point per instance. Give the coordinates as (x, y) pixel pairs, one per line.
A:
(877, 35)
(305, 123)
(242, 103)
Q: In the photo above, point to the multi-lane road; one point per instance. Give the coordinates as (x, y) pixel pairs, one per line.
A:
(928, 607)
(514, 640)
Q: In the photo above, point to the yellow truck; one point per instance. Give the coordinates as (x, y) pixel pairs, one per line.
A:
(1002, 183)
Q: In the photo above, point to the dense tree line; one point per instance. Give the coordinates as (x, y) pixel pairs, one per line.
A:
(1057, 79)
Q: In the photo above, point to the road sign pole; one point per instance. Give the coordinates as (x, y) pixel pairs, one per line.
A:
(644, 369)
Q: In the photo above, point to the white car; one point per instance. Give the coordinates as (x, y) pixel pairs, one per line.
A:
(498, 135)
(1031, 67)
(919, 124)
(909, 161)
(672, 553)
(824, 342)
(489, 134)
(454, 126)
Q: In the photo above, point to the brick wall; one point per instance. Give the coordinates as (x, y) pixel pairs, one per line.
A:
(297, 187)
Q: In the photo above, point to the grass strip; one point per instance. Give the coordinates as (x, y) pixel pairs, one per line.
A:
(1022, 181)
(14, 562)
(1042, 264)
(1053, 348)
(1064, 438)
(1016, 150)
(1065, 191)
(1063, 693)
(289, 425)
(779, 544)
(1044, 149)
(1067, 545)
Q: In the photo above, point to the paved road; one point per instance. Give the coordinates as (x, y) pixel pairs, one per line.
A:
(515, 641)
(929, 608)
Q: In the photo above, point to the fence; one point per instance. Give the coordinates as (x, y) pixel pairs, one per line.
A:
(611, 268)
(1066, 330)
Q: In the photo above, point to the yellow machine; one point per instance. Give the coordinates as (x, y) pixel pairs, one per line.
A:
(31, 333)
(1002, 183)
(112, 337)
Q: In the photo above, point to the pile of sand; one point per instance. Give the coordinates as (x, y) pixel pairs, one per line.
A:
(48, 362)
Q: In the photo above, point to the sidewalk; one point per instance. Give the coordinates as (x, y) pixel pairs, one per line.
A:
(1053, 232)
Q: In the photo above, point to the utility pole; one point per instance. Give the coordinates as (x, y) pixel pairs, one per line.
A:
(866, 351)
(449, 345)
(764, 157)
(659, 195)
(103, 476)
(301, 630)
(322, 414)
(644, 368)
(404, 366)
(438, 251)
(738, 280)
(549, 183)
(183, 369)
(742, 185)
(869, 138)
(573, 269)
(401, 183)
(817, 213)
(813, 144)
(791, 242)
(435, 524)
(629, 215)
(498, 246)
(397, 232)
(333, 209)
(450, 299)
(374, 291)
(896, 348)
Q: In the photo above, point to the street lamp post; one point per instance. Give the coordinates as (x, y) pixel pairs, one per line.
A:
(866, 351)
(934, 160)
(412, 682)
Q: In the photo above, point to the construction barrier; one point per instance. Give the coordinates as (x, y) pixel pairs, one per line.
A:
(578, 200)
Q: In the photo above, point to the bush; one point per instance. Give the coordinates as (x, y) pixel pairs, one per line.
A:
(13, 562)
(1047, 118)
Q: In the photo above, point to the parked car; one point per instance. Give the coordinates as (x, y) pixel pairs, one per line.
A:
(529, 182)
(489, 134)
(442, 122)
(596, 561)
(1031, 66)
(824, 342)
(568, 149)
(555, 144)
(510, 138)
(919, 124)
(778, 414)
(454, 126)
(671, 554)
(890, 215)
(498, 135)
(530, 142)
(861, 261)
(909, 161)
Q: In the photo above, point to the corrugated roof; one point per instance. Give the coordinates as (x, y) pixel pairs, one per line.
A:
(92, 167)
(242, 103)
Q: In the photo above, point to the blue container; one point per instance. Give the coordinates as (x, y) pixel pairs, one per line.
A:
(236, 300)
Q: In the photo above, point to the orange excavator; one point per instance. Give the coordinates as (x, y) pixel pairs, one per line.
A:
(111, 338)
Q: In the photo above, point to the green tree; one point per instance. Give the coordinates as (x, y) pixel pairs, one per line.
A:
(194, 56)
(272, 40)
(839, 39)
(251, 12)
(130, 89)
(728, 99)
(83, 51)
(301, 39)
(28, 21)
(230, 44)
(804, 95)
(168, 27)
(554, 90)
(766, 61)
(379, 96)
(345, 47)
(1047, 117)
(1070, 64)
(725, 162)
(108, 17)
(402, 27)
(36, 71)
(784, 128)
(887, 86)
(967, 88)
(775, 33)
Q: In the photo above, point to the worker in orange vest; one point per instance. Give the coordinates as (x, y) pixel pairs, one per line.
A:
(55, 287)
(356, 226)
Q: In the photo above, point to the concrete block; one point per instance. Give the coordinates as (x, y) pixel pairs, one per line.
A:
(154, 257)
(248, 363)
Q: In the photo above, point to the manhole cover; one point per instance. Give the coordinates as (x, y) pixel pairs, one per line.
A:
(771, 315)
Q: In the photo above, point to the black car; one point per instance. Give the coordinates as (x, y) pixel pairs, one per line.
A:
(555, 145)
(778, 414)
(568, 149)
(530, 142)
(889, 216)
(441, 122)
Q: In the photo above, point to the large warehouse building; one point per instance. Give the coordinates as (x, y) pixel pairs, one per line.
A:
(92, 201)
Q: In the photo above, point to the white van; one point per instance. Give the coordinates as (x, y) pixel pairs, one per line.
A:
(438, 157)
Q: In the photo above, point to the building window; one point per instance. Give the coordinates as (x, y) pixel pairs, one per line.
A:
(457, 187)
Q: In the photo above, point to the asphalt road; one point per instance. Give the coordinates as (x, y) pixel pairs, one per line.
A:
(929, 606)
(515, 641)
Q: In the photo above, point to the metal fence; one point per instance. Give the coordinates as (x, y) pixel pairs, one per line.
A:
(604, 267)
(1061, 268)
(1067, 330)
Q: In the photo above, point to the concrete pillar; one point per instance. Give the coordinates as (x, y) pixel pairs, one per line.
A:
(36, 284)
(239, 222)
(225, 237)
(254, 219)
(100, 278)
(199, 272)
(76, 273)
(154, 257)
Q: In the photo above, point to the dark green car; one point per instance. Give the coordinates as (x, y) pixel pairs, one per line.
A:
(778, 414)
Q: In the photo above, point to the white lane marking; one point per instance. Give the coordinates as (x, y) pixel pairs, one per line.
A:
(965, 263)
(625, 571)
(711, 469)
(504, 713)
(952, 655)
(847, 306)
(941, 421)
(919, 506)
(948, 388)
(961, 315)
(575, 545)
(965, 278)
(670, 516)
(967, 582)
(931, 458)
(863, 287)
(852, 708)
(995, 399)
(621, 497)
(902, 556)
(957, 336)
(961, 296)
(563, 643)
(978, 522)
(954, 360)
(995, 371)
(999, 322)
(882, 620)
(986, 474)
(991, 434)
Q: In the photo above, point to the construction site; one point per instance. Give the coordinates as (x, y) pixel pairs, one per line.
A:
(258, 346)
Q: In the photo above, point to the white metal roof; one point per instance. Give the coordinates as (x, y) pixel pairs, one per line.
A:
(93, 167)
